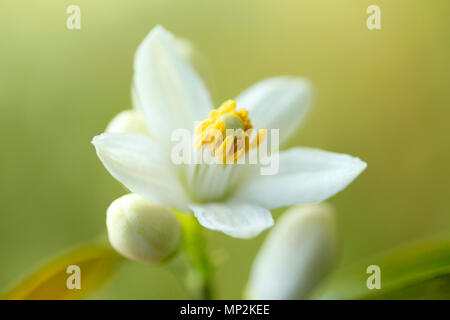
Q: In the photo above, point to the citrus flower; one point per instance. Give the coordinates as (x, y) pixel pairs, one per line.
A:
(232, 198)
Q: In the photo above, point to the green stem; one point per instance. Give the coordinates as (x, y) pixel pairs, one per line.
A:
(194, 255)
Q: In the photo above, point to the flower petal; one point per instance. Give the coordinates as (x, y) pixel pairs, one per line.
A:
(128, 121)
(190, 54)
(305, 175)
(171, 94)
(296, 255)
(238, 220)
(141, 166)
(278, 103)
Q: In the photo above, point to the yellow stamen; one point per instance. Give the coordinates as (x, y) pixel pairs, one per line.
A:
(214, 132)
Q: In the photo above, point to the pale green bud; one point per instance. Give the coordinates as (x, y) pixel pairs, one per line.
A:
(296, 255)
(141, 231)
(128, 121)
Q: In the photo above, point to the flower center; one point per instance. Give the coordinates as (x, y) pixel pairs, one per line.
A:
(228, 132)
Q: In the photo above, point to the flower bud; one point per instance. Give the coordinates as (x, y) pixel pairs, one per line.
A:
(141, 231)
(128, 121)
(298, 252)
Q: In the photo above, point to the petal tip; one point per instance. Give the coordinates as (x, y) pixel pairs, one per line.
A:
(250, 234)
(361, 165)
(159, 32)
(96, 139)
(300, 82)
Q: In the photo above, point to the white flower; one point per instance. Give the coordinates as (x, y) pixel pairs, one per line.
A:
(168, 95)
(141, 231)
(297, 253)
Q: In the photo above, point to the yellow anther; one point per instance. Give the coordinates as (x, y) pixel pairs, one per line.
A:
(214, 132)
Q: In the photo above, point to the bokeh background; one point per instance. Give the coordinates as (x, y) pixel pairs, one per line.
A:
(381, 95)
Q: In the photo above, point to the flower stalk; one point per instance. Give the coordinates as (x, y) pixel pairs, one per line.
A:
(193, 264)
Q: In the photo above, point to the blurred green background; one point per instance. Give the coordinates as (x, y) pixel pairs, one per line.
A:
(381, 95)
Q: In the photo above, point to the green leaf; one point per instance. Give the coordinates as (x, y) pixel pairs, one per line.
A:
(420, 271)
(96, 262)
